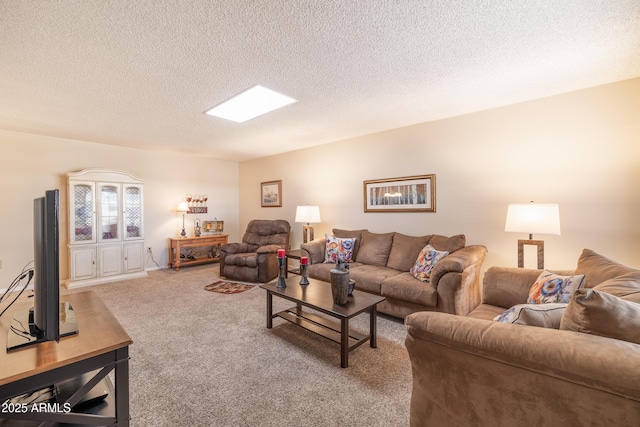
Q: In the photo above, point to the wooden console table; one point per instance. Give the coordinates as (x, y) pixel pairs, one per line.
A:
(101, 344)
(175, 244)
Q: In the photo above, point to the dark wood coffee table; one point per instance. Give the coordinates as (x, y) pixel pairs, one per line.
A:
(317, 296)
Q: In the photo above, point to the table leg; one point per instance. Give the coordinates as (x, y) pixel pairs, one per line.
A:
(269, 310)
(344, 343)
(373, 327)
(122, 387)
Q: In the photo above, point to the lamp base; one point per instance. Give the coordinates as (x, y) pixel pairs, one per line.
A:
(307, 229)
(539, 244)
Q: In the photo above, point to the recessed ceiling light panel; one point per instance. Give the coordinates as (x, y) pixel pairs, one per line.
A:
(253, 102)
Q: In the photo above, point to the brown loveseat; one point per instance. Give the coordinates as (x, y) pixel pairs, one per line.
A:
(584, 371)
(381, 264)
(255, 258)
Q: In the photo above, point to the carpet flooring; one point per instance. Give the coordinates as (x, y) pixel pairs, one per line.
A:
(206, 359)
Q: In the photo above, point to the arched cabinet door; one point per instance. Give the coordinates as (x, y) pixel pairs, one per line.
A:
(106, 226)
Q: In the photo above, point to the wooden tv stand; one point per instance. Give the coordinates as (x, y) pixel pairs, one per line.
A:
(101, 344)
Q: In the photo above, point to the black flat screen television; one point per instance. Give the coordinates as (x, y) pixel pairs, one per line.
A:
(47, 320)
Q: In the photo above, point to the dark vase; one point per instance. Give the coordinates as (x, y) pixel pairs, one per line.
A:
(340, 285)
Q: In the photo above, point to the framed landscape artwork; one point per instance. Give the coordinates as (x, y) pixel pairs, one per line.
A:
(405, 194)
(271, 194)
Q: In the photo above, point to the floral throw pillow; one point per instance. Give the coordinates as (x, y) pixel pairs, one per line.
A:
(338, 248)
(427, 259)
(552, 288)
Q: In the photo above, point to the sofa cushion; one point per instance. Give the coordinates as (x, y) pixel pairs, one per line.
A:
(541, 315)
(405, 287)
(599, 313)
(449, 244)
(427, 260)
(323, 271)
(405, 250)
(626, 287)
(597, 268)
(374, 248)
(550, 288)
(337, 247)
(370, 277)
(486, 312)
(242, 259)
(357, 234)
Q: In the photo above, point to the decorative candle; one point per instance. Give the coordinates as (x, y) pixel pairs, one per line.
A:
(281, 253)
(304, 260)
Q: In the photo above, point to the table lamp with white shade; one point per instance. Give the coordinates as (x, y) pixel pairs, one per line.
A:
(308, 214)
(533, 218)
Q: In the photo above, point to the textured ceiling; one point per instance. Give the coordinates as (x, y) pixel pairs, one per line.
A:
(141, 73)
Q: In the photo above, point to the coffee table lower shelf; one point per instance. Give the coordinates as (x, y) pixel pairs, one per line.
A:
(322, 326)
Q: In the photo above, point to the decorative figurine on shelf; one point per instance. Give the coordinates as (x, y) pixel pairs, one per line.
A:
(197, 230)
(304, 263)
(282, 262)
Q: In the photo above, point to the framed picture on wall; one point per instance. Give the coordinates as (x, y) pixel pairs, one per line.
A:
(405, 194)
(271, 194)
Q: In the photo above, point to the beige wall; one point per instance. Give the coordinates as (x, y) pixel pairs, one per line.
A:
(580, 150)
(31, 164)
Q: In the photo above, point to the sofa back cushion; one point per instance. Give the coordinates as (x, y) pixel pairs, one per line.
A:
(345, 234)
(374, 248)
(597, 268)
(507, 286)
(263, 232)
(405, 250)
(448, 244)
(599, 313)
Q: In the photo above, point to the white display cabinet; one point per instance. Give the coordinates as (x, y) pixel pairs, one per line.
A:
(106, 227)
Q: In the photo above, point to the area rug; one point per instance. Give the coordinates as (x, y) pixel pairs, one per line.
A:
(223, 287)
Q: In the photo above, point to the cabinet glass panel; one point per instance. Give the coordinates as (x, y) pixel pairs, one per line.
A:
(109, 212)
(133, 211)
(83, 208)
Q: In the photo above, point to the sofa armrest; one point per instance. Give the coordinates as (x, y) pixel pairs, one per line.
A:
(511, 371)
(314, 250)
(234, 248)
(269, 249)
(458, 261)
(456, 279)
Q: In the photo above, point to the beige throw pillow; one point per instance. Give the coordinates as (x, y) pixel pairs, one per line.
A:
(541, 315)
(599, 313)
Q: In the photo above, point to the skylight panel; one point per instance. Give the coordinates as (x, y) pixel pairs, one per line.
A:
(253, 102)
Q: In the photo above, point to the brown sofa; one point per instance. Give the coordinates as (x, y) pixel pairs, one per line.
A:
(381, 264)
(473, 371)
(255, 258)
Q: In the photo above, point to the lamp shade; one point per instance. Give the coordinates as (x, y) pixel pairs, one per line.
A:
(308, 214)
(533, 218)
(183, 207)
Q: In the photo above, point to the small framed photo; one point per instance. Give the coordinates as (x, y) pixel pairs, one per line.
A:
(271, 194)
(405, 194)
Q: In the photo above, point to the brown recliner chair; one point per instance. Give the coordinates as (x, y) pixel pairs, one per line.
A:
(255, 259)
